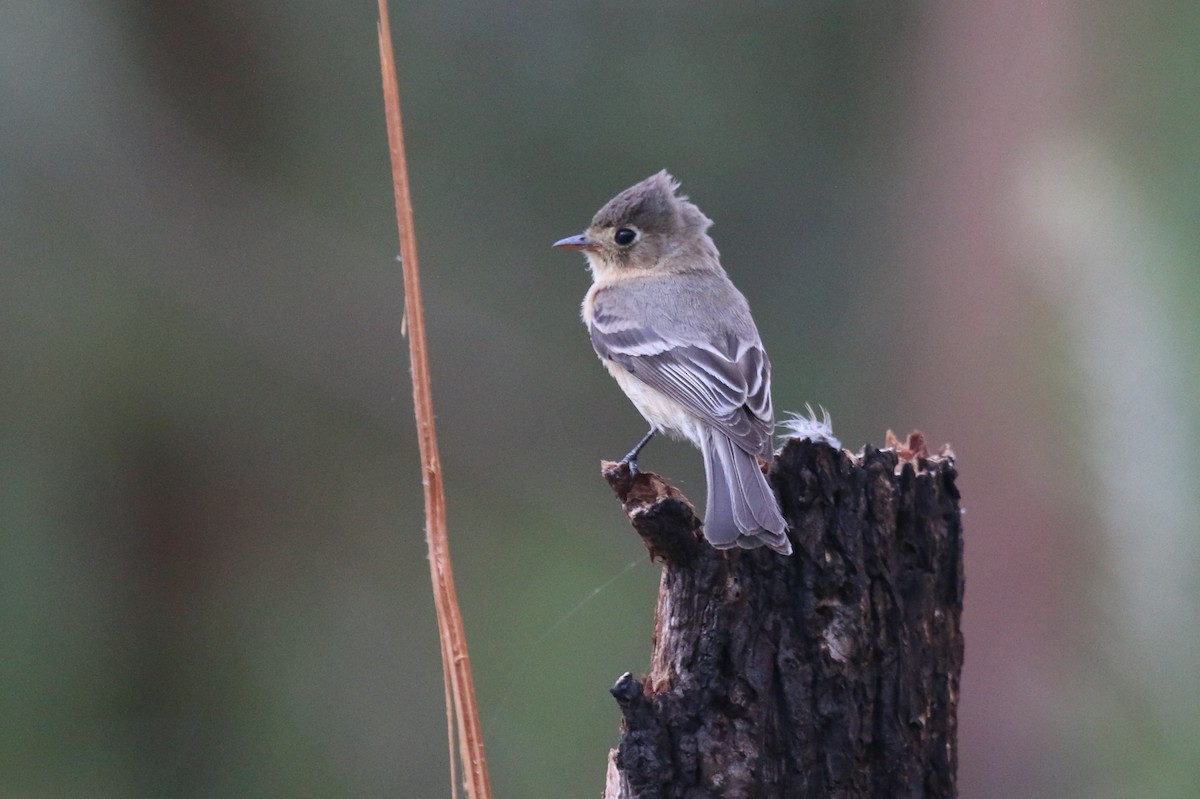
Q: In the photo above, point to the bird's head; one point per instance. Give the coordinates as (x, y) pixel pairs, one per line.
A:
(646, 228)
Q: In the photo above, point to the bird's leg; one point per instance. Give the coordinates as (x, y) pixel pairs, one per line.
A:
(630, 460)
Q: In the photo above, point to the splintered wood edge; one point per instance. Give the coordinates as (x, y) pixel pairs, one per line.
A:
(657, 510)
(915, 446)
(649, 500)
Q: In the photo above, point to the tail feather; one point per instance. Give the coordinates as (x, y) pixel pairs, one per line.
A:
(742, 509)
(720, 525)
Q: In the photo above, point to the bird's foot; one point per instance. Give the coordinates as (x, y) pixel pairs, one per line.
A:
(630, 459)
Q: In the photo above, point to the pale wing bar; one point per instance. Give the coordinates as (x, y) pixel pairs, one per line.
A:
(732, 395)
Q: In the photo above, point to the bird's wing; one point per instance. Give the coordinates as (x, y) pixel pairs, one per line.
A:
(728, 386)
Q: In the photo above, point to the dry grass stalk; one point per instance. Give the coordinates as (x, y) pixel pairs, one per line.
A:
(456, 665)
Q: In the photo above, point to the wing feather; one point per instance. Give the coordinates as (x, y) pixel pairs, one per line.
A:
(728, 386)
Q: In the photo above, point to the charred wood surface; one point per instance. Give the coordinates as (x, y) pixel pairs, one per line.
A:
(830, 673)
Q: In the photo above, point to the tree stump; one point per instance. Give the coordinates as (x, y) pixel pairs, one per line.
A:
(830, 673)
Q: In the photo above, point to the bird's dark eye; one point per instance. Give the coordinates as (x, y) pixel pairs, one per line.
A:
(625, 236)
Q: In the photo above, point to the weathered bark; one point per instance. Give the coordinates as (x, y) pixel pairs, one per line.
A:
(830, 673)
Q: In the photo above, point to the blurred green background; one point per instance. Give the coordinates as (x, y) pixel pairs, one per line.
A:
(976, 218)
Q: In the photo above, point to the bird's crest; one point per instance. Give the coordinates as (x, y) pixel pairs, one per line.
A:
(652, 205)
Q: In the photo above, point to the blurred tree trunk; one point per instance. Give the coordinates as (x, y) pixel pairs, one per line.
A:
(830, 673)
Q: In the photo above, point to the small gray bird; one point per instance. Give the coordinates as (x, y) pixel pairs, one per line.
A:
(679, 339)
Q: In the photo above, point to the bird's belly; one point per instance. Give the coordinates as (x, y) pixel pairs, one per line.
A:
(662, 412)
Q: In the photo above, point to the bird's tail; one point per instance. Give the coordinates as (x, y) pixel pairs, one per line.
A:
(742, 509)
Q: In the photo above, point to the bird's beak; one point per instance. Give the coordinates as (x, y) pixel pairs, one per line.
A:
(580, 242)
